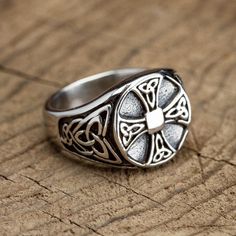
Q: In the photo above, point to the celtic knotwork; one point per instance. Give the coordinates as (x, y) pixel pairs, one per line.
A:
(161, 151)
(149, 89)
(152, 134)
(87, 136)
(179, 111)
(129, 131)
(66, 135)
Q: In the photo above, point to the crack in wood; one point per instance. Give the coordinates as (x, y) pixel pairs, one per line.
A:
(37, 182)
(132, 190)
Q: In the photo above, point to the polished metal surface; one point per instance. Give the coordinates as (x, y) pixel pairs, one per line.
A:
(123, 118)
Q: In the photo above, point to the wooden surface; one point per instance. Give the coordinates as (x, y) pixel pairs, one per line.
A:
(47, 44)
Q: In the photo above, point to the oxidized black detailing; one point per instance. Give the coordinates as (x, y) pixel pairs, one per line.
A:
(87, 136)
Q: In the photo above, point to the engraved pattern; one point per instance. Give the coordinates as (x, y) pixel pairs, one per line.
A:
(149, 90)
(180, 111)
(131, 128)
(87, 136)
(130, 131)
(162, 152)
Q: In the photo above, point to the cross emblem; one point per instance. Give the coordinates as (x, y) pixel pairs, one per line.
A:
(152, 118)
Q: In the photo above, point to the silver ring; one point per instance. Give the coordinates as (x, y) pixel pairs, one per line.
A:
(124, 118)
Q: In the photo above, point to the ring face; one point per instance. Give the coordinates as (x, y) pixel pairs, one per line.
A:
(151, 119)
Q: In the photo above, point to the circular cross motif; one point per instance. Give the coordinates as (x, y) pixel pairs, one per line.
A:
(151, 119)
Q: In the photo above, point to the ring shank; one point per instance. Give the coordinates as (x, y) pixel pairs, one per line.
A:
(85, 90)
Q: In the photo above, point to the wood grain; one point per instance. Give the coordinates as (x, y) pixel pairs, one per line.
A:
(47, 44)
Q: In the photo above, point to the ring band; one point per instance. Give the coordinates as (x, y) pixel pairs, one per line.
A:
(124, 118)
